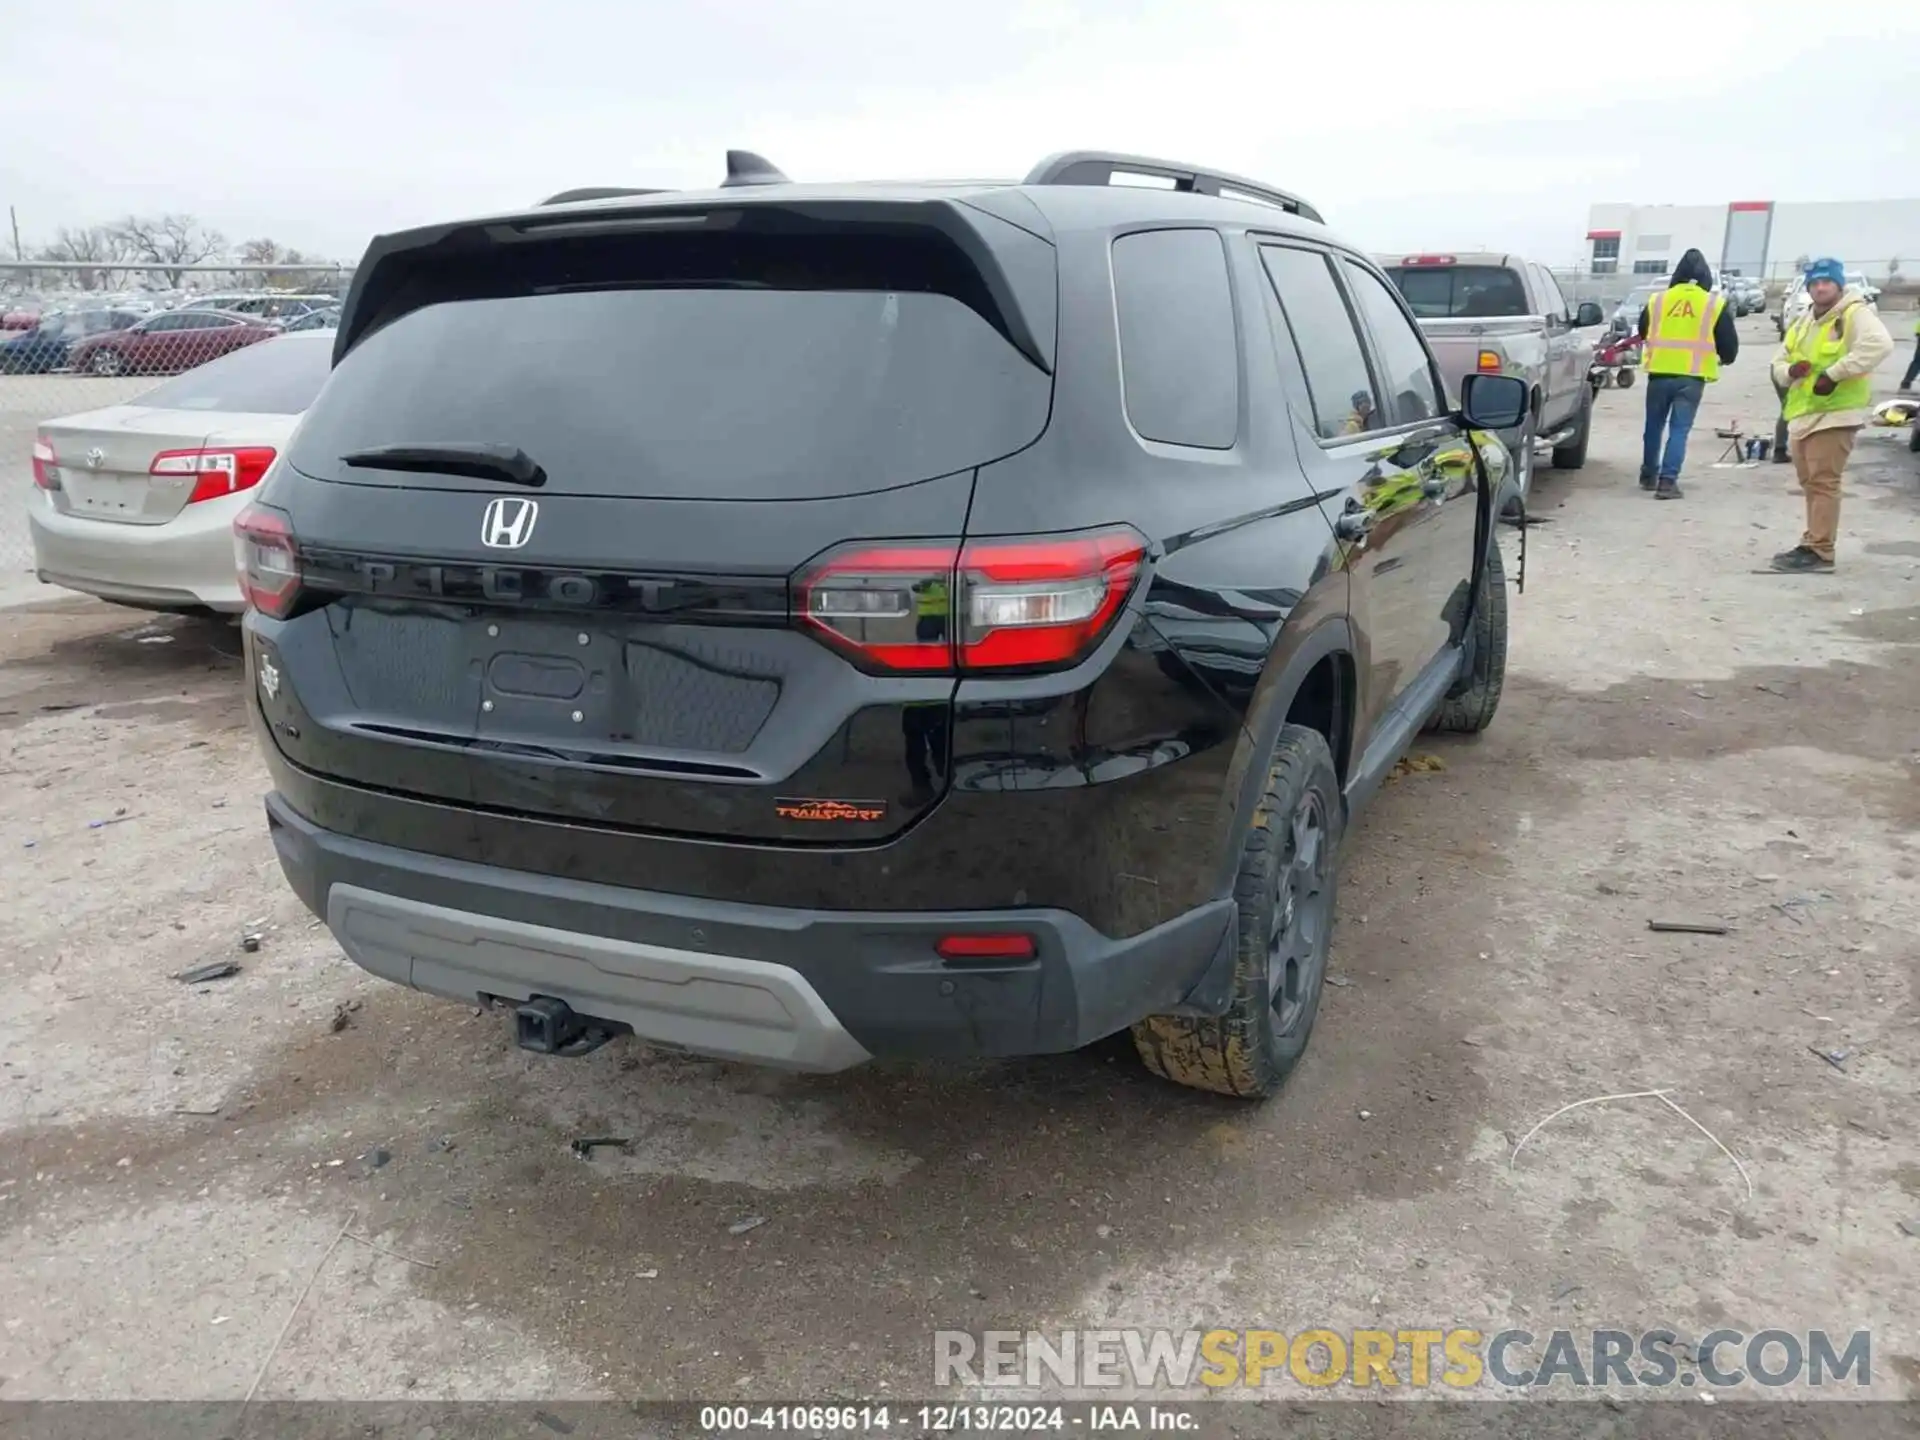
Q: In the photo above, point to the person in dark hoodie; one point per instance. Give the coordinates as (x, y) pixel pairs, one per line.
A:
(1689, 335)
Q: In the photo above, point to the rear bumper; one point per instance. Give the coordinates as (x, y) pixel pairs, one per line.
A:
(188, 561)
(800, 989)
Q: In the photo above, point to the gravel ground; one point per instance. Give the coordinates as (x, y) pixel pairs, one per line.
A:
(1681, 737)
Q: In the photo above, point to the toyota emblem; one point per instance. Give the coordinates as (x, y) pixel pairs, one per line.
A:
(96, 457)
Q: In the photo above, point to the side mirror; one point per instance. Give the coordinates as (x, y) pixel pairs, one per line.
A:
(1492, 402)
(1588, 314)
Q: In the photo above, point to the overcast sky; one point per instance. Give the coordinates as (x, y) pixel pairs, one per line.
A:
(322, 122)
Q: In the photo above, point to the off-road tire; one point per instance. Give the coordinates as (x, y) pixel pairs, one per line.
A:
(1471, 711)
(1248, 1052)
(1572, 454)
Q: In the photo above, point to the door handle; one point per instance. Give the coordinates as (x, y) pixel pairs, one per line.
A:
(1353, 523)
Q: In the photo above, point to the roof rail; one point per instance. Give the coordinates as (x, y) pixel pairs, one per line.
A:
(595, 192)
(1098, 167)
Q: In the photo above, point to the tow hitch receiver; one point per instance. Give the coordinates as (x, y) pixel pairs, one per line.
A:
(548, 1026)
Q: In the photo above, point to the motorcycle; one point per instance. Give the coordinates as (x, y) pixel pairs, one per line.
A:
(1615, 360)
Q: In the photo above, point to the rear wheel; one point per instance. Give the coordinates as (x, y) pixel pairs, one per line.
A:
(1571, 453)
(1471, 711)
(1521, 449)
(106, 362)
(1284, 894)
(1624, 379)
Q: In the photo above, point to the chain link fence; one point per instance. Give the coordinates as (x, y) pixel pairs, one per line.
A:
(76, 338)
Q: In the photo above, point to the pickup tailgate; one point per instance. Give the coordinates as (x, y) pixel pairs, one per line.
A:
(1461, 347)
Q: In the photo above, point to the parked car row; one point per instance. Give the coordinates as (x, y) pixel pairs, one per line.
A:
(120, 342)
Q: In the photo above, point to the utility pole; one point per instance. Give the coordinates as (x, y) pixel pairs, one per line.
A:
(14, 217)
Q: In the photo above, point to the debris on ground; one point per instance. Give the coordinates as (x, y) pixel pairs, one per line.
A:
(1687, 927)
(342, 1017)
(1836, 1058)
(251, 941)
(212, 970)
(1417, 765)
(378, 1157)
(1663, 1097)
(741, 1227)
(587, 1144)
(1911, 1225)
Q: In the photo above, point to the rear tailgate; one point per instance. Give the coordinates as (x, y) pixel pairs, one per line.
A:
(710, 409)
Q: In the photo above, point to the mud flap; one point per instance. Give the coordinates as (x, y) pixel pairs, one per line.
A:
(1214, 991)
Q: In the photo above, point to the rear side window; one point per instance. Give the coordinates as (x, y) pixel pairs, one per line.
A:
(743, 368)
(1459, 292)
(1179, 356)
(279, 377)
(1332, 358)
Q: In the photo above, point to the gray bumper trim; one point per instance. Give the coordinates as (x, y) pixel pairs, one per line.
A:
(719, 1005)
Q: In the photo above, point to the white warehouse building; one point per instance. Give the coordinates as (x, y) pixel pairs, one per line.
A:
(1761, 238)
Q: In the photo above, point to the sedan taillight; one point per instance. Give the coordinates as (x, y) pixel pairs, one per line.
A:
(937, 607)
(220, 472)
(46, 471)
(267, 559)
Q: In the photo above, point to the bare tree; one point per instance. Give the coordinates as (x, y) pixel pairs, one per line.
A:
(298, 271)
(90, 242)
(164, 241)
(259, 252)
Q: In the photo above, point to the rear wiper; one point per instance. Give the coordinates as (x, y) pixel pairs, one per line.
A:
(475, 461)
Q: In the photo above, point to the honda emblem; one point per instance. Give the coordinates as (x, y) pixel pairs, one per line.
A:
(508, 524)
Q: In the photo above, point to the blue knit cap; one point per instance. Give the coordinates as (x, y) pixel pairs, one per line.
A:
(1827, 268)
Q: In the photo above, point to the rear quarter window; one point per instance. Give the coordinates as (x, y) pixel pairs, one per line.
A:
(1179, 356)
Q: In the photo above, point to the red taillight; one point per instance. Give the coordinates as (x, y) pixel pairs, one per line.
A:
(46, 472)
(937, 607)
(267, 559)
(985, 947)
(220, 472)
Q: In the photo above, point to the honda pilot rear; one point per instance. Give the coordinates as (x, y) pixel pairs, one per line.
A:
(624, 655)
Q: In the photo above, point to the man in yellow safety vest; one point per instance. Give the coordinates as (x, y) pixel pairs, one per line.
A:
(1824, 364)
(1689, 335)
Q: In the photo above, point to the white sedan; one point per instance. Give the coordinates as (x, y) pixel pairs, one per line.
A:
(135, 503)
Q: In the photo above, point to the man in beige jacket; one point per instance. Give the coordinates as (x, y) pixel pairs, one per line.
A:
(1824, 368)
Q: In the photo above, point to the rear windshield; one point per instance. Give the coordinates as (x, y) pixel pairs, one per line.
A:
(764, 384)
(276, 377)
(1445, 292)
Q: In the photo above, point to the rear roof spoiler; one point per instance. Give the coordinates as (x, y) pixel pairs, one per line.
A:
(1098, 167)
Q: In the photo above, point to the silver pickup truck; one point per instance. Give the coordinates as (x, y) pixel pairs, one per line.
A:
(1504, 315)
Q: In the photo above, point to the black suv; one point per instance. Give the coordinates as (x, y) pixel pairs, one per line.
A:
(801, 623)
